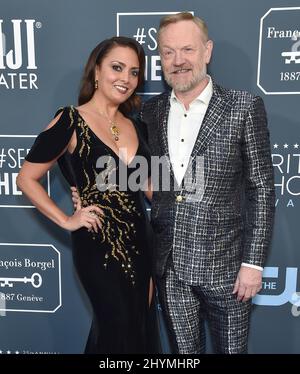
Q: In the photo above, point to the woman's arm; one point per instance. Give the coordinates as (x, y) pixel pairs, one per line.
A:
(28, 181)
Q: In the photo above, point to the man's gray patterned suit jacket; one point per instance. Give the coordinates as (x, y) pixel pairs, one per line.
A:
(232, 223)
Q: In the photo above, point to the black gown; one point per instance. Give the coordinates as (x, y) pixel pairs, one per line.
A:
(114, 265)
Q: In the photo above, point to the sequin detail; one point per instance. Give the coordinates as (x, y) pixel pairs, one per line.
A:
(117, 232)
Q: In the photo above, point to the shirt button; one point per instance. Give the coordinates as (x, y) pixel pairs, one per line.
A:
(182, 140)
(179, 198)
(185, 114)
(182, 165)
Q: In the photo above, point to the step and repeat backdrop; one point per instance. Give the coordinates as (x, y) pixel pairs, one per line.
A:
(43, 48)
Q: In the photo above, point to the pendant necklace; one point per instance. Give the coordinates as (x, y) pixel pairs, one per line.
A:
(114, 127)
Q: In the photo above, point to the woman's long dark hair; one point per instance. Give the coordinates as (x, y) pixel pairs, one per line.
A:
(87, 87)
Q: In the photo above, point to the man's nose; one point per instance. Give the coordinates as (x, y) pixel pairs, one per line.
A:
(178, 58)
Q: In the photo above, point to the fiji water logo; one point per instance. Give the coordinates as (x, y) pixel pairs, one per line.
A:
(18, 54)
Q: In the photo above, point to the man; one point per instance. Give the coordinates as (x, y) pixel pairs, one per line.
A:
(209, 249)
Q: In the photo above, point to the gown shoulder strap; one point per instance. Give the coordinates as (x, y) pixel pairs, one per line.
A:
(50, 143)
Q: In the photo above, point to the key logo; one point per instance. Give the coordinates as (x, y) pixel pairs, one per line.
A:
(278, 71)
(30, 278)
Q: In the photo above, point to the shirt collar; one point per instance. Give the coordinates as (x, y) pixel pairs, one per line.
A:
(204, 96)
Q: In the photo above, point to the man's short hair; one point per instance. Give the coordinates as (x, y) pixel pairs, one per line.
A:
(183, 16)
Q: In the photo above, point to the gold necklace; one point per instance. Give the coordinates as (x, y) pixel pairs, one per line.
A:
(114, 127)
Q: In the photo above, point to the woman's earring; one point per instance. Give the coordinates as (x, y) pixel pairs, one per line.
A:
(96, 84)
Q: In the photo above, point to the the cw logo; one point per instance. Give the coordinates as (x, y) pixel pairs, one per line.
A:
(288, 294)
(13, 58)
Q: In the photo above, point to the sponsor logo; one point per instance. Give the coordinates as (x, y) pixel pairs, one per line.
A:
(278, 288)
(30, 278)
(13, 150)
(18, 54)
(279, 52)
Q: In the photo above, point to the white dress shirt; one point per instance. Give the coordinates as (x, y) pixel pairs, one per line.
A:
(183, 128)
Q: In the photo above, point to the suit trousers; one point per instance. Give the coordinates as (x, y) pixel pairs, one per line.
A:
(187, 307)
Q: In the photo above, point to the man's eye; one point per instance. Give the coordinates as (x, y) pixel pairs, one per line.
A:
(168, 53)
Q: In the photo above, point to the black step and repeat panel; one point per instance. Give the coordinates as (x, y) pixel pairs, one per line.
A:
(43, 47)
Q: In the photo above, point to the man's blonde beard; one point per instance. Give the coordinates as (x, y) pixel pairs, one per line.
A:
(187, 86)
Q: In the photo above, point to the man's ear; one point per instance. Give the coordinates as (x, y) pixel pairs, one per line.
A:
(209, 47)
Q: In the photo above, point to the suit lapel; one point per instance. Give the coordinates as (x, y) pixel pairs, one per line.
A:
(219, 105)
(217, 110)
(163, 114)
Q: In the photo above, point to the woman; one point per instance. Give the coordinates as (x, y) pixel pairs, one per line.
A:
(110, 247)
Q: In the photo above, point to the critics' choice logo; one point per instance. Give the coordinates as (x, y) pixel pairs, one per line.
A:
(279, 52)
(17, 54)
(30, 278)
(286, 163)
(13, 149)
(143, 28)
